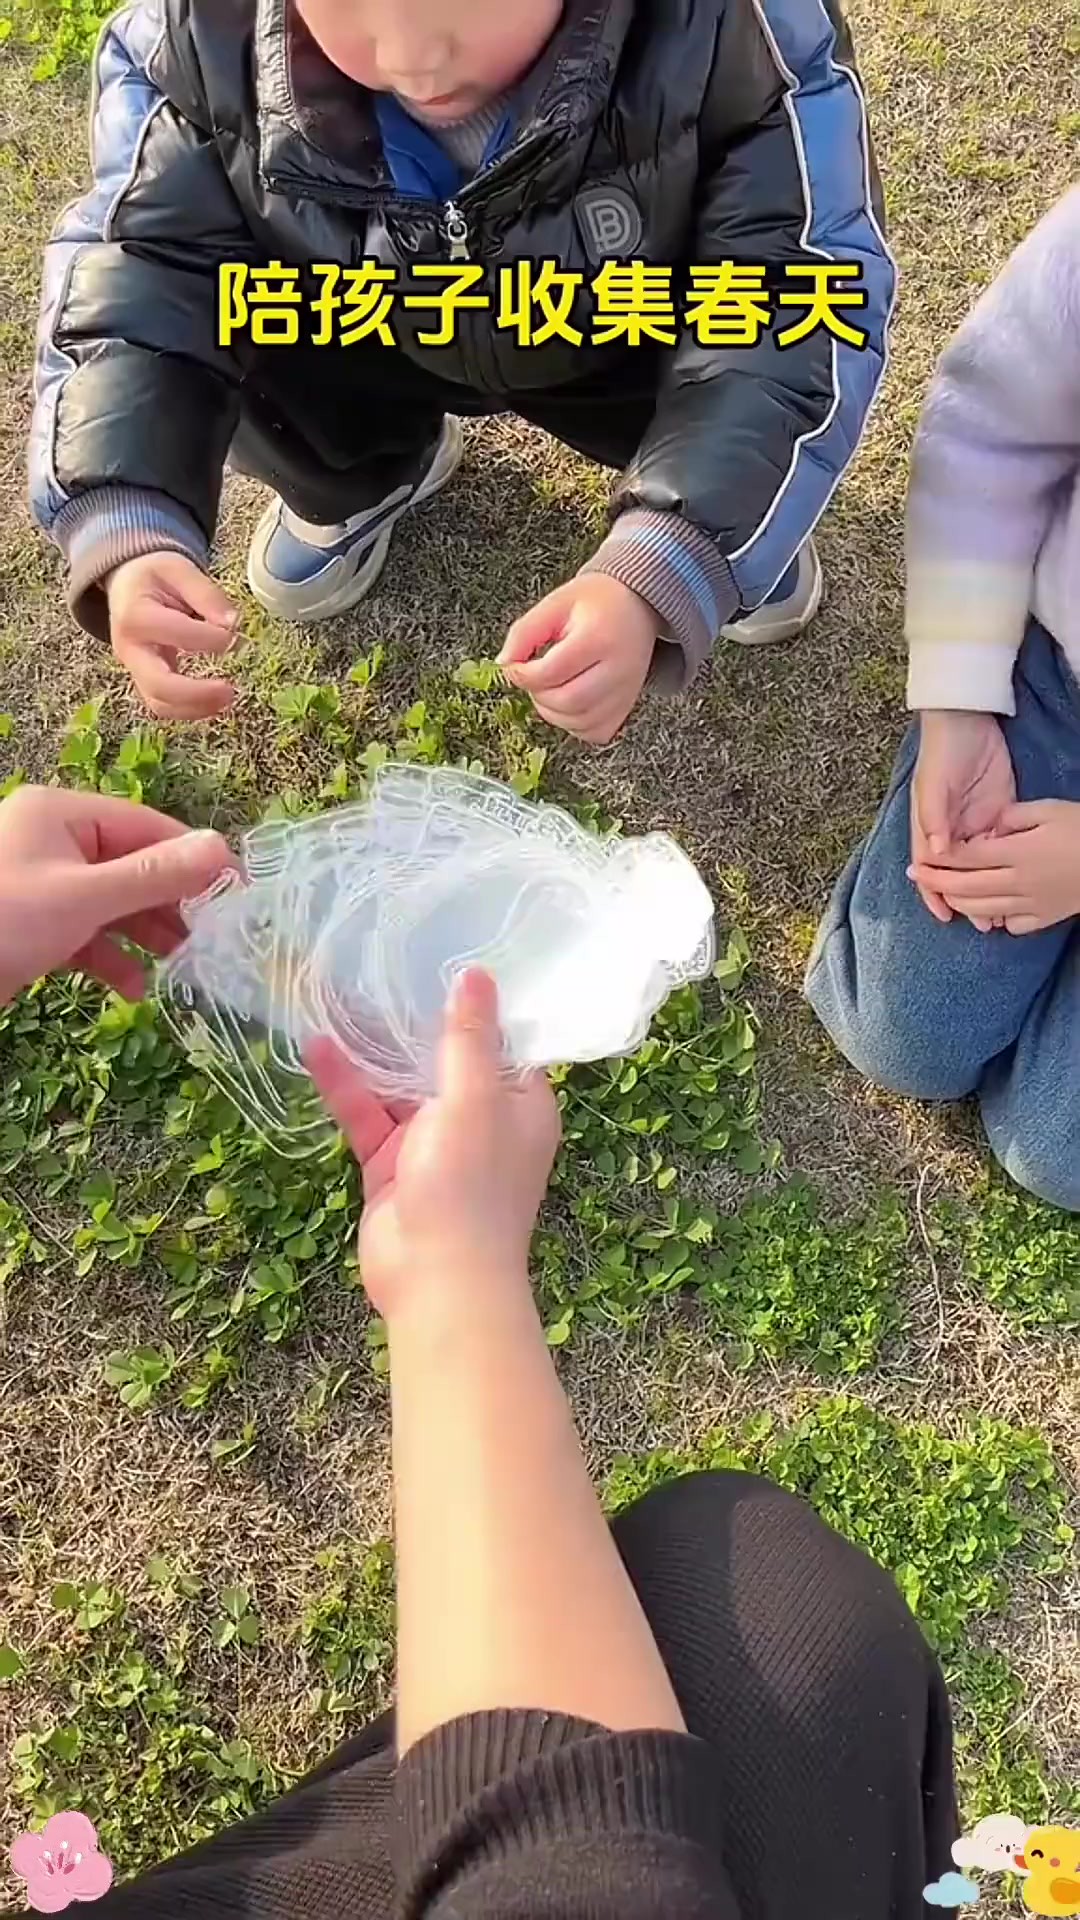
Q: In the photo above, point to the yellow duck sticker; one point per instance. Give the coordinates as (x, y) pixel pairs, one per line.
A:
(1051, 1865)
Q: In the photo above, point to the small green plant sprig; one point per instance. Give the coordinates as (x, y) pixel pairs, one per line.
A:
(64, 32)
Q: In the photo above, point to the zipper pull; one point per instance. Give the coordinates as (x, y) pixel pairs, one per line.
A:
(456, 229)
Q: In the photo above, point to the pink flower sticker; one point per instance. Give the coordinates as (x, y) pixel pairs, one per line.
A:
(61, 1864)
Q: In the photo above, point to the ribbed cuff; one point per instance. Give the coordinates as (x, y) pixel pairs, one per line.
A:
(519, 1779)
(685, 578)
(99, 530)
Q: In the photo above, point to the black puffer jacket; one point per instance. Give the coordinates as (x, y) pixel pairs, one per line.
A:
(679, 131)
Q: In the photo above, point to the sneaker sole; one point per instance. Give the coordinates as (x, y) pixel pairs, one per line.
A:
(347, 580)
(779, 630)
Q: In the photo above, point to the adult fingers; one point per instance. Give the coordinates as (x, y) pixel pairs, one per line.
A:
(159, 875)
(158, 932)
(470, 1054)
(986, 906)
(1024, 815)
(112, 966)
(984, 854)
(365, 1122)
(936, 904)
(954, 884)
(105, 828)
(540, 1109)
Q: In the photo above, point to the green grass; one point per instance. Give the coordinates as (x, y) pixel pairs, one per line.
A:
(62, 32)
(1022, 1255)
(140, 1738)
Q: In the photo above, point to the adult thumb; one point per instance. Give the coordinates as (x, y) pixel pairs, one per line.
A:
(161, 875)
(470, 1055)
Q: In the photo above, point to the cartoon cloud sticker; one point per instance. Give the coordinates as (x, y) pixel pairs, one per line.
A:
(993, 1844)
(952, 1890)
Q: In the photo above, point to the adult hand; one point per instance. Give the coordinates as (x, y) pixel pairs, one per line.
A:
(963, 782)
(452, 1190)
(162, 606)
(77, 869)
(583, 655)
(1024, 877)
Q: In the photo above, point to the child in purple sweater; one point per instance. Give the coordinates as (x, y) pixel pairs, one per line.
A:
(949, 960)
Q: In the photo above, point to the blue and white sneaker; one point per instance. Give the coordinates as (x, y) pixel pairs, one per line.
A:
(304, 572)
(790, 607)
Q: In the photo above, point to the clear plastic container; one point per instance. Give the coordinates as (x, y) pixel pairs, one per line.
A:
(357, 922)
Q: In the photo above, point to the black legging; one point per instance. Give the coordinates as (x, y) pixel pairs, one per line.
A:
(791, 1653)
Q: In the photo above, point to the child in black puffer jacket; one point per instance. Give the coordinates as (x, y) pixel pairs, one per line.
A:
(625, 210)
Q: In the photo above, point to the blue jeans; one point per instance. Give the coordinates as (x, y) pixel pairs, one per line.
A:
(938, 1012)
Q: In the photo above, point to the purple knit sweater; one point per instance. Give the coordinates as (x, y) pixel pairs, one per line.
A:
(994, 509)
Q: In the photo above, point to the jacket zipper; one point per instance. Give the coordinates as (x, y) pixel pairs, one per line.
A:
(456, 230)
(477, 353)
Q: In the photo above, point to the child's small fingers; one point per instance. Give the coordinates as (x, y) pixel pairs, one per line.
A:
(596, 725)
(970, 888)
(530, 635)
(935, 905)
(582, 699)
(569, 659)
(170, 695)
(988, 907)
(149, 624)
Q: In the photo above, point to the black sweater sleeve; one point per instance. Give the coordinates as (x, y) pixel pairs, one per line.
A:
(523, 1816)
(536, 1815)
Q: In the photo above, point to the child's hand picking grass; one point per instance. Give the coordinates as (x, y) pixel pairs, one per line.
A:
(162, 606)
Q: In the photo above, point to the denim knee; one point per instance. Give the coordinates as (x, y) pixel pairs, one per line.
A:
(1038, 1147)
(884, 1025)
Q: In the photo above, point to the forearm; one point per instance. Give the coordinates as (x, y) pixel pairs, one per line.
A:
(511, 1592)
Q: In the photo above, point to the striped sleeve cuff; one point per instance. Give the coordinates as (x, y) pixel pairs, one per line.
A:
(964, 621)
(99, 530)
(682, 574)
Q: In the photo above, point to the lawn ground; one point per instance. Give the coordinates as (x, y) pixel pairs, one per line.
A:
(827, 1283)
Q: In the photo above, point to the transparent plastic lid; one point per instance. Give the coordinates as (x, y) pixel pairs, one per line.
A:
(356, 923)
